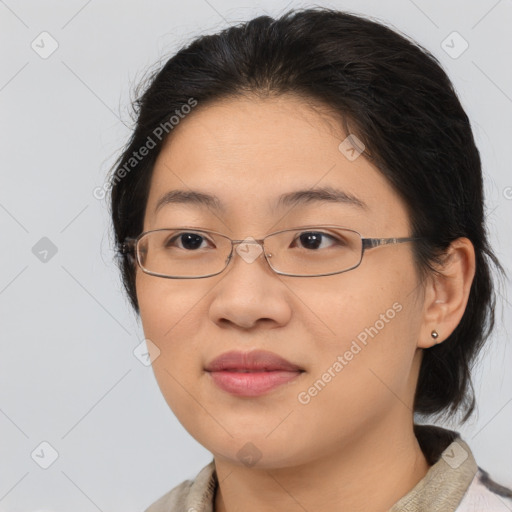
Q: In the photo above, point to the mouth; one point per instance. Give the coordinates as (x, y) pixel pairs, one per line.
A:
(251, 373)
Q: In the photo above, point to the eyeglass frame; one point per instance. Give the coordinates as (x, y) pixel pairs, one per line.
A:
(130, 245)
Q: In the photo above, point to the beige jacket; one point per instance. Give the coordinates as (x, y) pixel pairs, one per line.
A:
(454, 482)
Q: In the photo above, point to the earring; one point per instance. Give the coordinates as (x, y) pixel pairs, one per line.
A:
(434, 334)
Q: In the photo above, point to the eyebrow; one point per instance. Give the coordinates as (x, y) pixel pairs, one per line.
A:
(189, 197)
(324, 194)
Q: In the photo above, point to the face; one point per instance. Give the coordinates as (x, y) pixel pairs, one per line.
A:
(353, 335)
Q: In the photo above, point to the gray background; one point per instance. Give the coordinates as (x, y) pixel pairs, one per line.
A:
(68, 375)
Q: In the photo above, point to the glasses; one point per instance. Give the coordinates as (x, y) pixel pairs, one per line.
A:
(307, 251)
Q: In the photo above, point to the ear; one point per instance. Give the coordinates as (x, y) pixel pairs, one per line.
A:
(447, 293)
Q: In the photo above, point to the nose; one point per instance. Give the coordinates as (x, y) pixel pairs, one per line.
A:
(250, 293)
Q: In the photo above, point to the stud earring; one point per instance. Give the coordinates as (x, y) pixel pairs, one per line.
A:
(434, 334)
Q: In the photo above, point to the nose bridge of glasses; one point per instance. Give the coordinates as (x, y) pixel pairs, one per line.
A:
(248, 240)
(248, 249)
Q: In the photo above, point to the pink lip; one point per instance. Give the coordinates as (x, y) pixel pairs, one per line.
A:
(251, 373)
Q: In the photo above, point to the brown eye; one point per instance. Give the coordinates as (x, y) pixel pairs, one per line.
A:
(315, 239)
(188, 241)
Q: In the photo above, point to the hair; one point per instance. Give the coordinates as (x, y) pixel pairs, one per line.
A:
(397, 100)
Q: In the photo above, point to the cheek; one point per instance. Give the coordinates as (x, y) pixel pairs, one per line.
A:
(170, 312)
(167, 305)
(373, 329)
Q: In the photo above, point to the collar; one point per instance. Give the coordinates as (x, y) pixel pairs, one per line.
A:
(451, 473)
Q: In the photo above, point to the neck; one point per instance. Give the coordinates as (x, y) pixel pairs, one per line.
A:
(369, 473)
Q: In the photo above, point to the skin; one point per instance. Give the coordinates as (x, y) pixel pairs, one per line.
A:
(357, 433)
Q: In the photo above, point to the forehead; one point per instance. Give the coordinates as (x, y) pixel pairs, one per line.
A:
(250, 152)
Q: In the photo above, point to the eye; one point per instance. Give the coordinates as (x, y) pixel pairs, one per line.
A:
(316, 240)
(186, 240)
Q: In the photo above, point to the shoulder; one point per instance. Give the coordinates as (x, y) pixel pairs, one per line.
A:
(190, 495)
(485, 495)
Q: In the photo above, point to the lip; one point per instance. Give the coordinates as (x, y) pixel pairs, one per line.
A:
(251, 373)
(256, 360)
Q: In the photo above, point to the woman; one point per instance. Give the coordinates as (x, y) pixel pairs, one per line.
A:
(299, 214)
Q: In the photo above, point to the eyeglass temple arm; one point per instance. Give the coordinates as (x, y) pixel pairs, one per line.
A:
(369, 243)
(126, 246)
